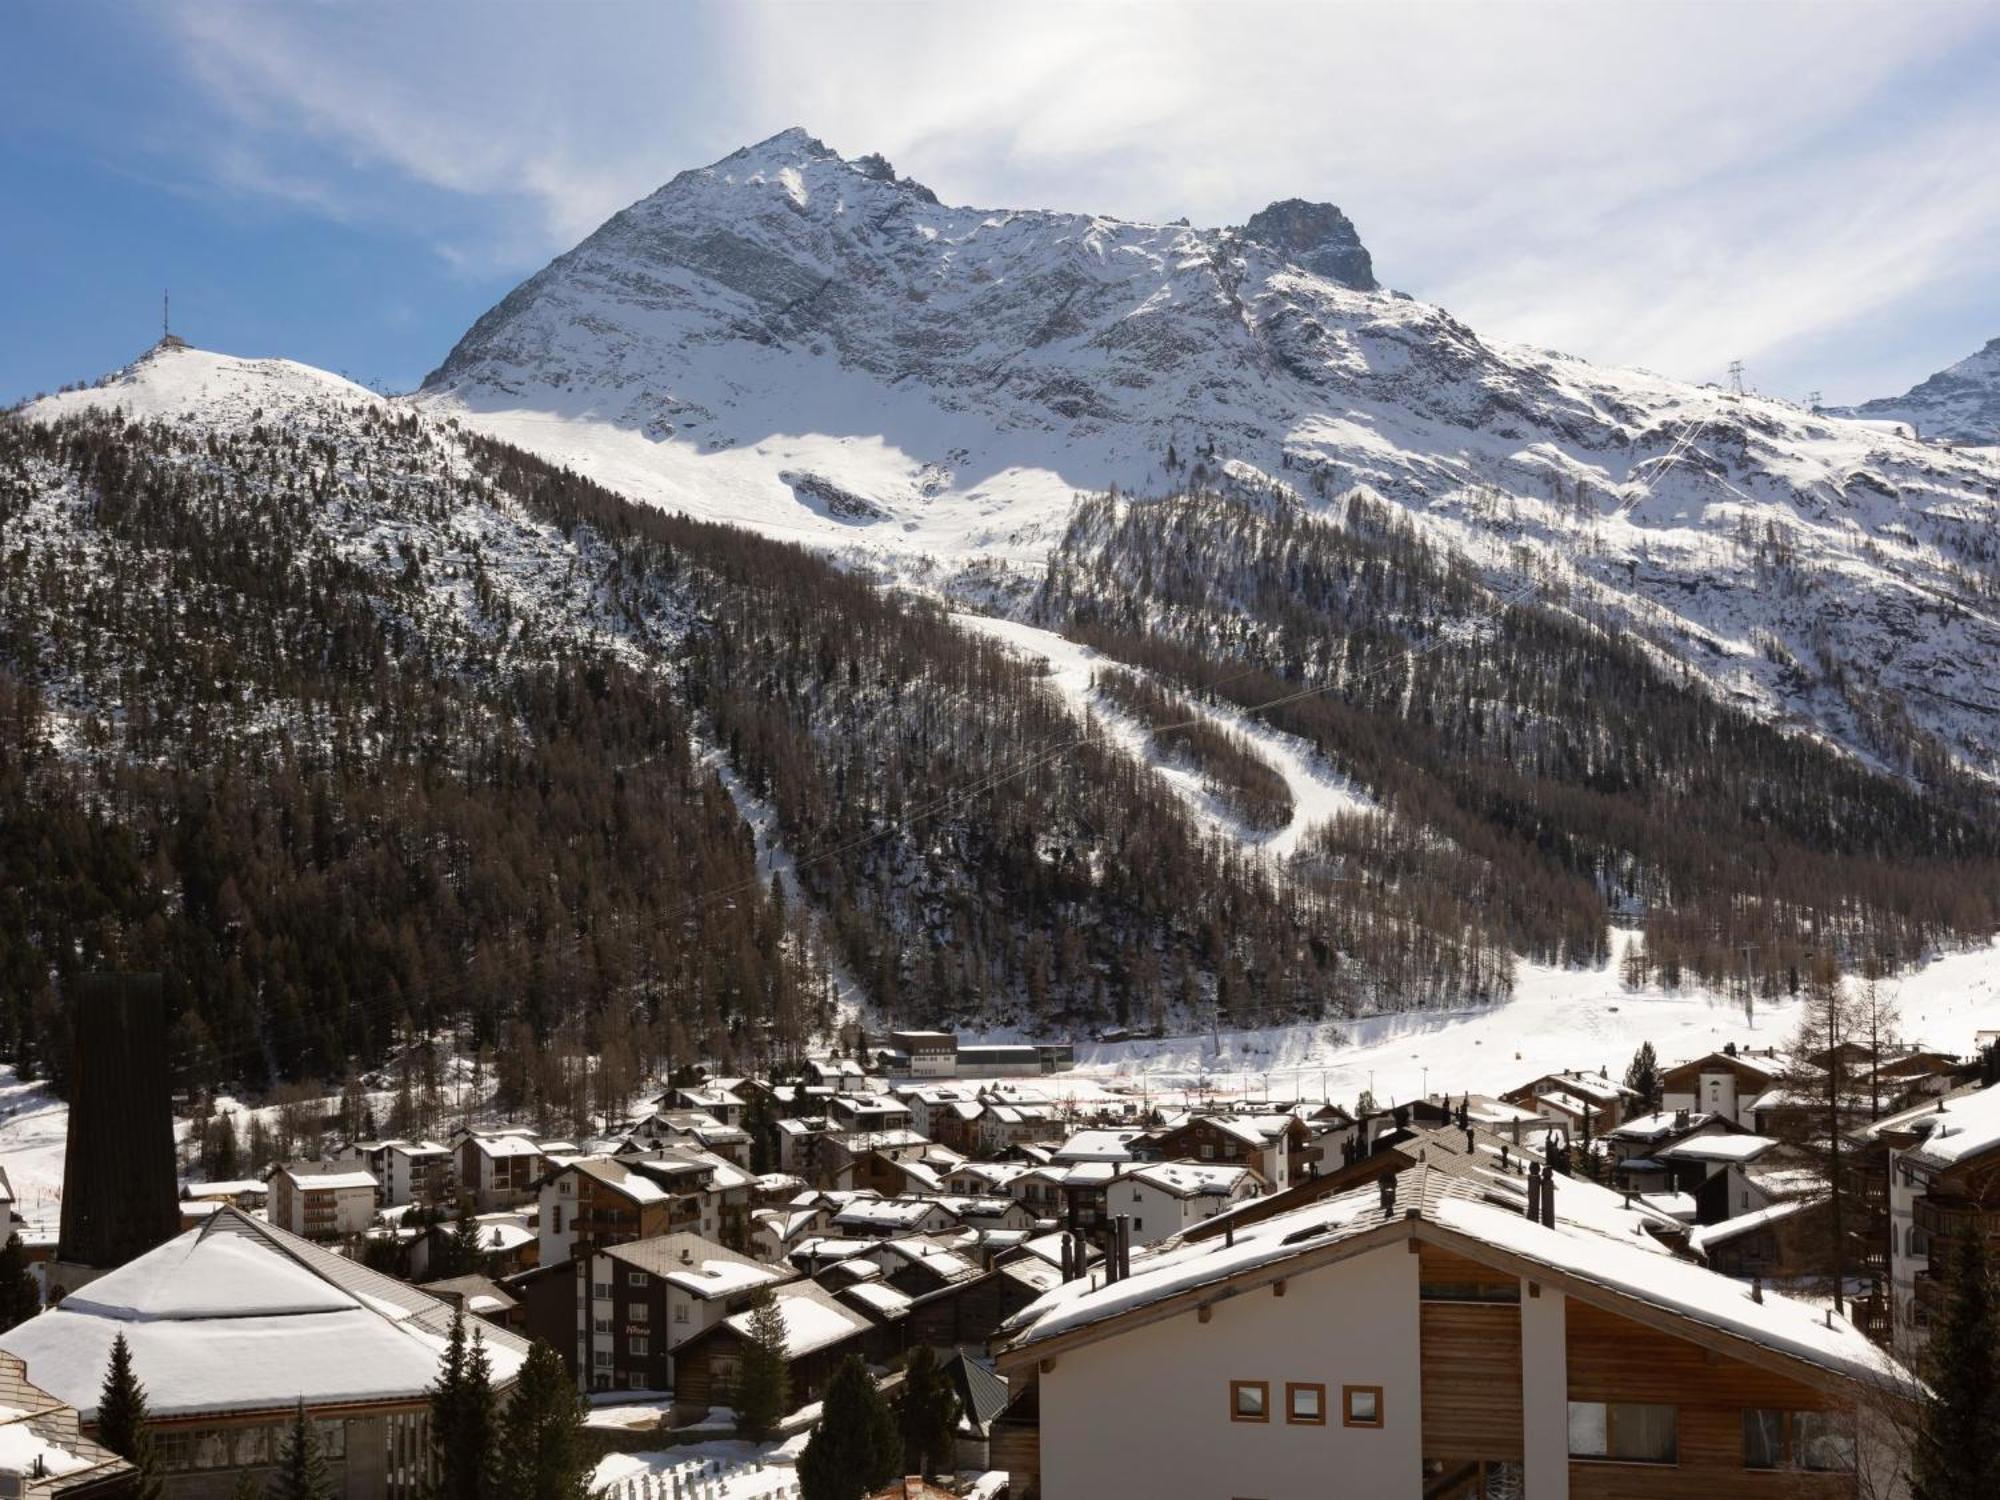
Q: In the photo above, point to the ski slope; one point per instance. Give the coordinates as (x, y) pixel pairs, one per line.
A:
(1318, 790)
(1557, 1019)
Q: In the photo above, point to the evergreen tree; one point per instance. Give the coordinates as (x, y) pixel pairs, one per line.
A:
(541, 1436)
(459, 1254)
(764, 1383)
(1956, 1454)
(19, 1300)
(854, 1450)
(1642, 1076)
(301, 1473)
(462, 1418)
(121, 1420)
(928, 1412)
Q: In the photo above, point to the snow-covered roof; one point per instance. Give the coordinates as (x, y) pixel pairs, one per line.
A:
(617, 1175)
(316, 1175)
(888, 1215)
(1967, 1125)
(885, 1300)
(1655, 1127)
(506, 1145)
(1707, 1236)
(241, 1187)
(1782, 1323)
(813, 1320)
(1588, 1243)
(1723, 1148)
(238, 1315)
(1186, 1179)
(695, 1265)
(1098, 1146)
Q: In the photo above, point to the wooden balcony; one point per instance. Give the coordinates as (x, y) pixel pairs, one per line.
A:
(1944, 1219)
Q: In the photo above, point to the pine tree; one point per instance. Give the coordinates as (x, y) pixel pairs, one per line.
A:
(1956, 1454)
(1642, 1076)
(19, 1300)
(121, 1420)
(764, 1382)
(928, 1412)
(301, 1473)
(854, 1450)
(464, 1256)
(541, 1438)
(462, 1418)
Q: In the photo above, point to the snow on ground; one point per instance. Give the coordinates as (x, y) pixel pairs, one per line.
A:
(34, 1133)
(729, 1470)
(775, 858)
(1318, 791)
(1558, 1018)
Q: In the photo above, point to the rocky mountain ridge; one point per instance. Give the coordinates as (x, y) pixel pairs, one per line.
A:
(823, 351)
(1959, 404)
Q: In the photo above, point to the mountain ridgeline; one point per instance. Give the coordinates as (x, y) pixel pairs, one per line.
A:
(606, 696)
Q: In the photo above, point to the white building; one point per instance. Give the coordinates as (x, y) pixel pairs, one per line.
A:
(1163, 1198)
(1424, 1336)
(322, 1200)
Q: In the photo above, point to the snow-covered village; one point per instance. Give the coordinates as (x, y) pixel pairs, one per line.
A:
(1316, 815)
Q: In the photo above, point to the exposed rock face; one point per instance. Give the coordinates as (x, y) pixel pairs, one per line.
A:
(1317, 237)
(1959, 404)
(818, 348)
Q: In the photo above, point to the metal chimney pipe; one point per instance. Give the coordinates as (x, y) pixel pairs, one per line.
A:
(1535, 1192)
(1549, 1198)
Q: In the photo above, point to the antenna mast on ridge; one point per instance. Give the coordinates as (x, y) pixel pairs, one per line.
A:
(1736, 377)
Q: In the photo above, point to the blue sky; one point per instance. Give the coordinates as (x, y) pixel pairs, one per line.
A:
(1814, 189)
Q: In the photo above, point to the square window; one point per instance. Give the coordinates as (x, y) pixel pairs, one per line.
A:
(1305, 1404)
(1628, 1431)
(1361, 1405)
(1249, 1400)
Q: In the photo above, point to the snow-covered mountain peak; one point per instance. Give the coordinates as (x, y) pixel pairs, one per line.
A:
(1959, 404)
(174, 381)
(816, 348)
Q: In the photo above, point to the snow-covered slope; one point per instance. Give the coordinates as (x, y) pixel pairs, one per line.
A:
(817, 349)
(176, 382)
(1959, 404)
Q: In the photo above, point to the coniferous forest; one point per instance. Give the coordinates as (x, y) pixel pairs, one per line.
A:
(359, 724)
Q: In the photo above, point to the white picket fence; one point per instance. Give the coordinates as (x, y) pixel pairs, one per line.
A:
(709, 1479)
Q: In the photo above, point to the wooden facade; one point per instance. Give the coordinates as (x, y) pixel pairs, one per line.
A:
(1469, 1325)
(1616, 1359)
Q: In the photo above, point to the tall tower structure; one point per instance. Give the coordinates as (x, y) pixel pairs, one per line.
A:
(120, 1195)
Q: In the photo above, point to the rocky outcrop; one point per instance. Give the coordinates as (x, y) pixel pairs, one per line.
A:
(1315, 237)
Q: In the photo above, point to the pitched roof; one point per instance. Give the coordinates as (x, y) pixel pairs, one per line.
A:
(695, 1265)
(239, 1315)
(1595, 1260)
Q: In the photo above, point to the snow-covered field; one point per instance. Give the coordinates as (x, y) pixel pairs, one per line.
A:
(1558, 1018)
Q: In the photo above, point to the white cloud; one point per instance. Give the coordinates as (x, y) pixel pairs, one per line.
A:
(1668, 184)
